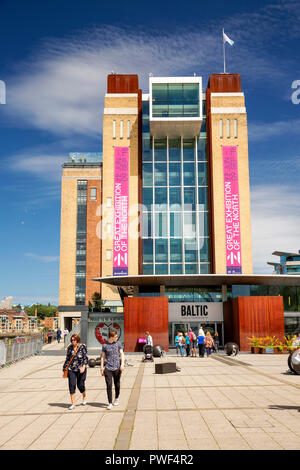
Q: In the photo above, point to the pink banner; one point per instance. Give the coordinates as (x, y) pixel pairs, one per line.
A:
(121, 205)
(232, 210)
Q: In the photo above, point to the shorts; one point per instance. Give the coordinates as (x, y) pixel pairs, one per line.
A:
(194, 344)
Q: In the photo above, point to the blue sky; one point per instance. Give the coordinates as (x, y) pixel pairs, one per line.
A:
(55, 57)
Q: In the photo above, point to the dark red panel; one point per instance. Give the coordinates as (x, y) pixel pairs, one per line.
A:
(225, 82)
(142, 314)
(122, 83)
(253, 316)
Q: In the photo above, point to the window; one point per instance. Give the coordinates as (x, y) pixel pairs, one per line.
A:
(228, 128)
(93, 194)
(121, 129)
(235, 128)
(128, 129)
(114, 129)
(221, 128)
(108, 201)
(108, 255)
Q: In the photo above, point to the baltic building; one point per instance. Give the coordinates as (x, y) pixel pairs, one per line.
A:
(158, 224)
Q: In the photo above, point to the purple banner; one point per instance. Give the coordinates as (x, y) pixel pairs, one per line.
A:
(121, 203)
(232, 210)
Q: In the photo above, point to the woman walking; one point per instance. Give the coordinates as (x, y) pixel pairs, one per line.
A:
(76, 365)
(113, 358)
(216, 342)
(208, 342)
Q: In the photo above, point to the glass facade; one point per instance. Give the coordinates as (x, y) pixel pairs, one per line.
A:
(175, 202)
(175, 100)
(81, 242)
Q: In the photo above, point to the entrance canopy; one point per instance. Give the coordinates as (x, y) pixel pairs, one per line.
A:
(130, 283)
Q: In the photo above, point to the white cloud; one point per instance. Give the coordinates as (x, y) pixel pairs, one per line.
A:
(275, 214)
(259, 131)
(43, 258)
(46, 166)
(62, 88)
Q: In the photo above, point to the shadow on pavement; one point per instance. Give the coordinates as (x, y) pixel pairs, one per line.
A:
(61, 405)
(284, 407)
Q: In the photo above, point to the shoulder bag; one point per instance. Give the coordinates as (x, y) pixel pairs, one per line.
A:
(65, 375)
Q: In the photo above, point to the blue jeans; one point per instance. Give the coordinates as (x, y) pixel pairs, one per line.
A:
(182, 350)
(208, 351)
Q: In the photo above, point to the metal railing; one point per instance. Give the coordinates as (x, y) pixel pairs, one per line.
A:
(14, 349)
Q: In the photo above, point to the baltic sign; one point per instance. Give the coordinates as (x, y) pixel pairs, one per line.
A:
(121, 204)
(232, 211)
(195, 312)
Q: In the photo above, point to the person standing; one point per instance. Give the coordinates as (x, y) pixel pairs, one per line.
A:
(76, 362)
(187, 343)
(149, 338)
(58, 335)
(200, 339)
(209, 342)
(216, 342)
(49, 337)
(193, 342)
(112, 358)
(181, 343)
(177, 342)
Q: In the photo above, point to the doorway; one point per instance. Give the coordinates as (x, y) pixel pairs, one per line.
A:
(212, 327)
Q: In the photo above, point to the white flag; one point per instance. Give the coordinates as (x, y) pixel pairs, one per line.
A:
(226, 39)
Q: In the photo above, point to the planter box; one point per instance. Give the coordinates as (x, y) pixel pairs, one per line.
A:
(269, 350)
(254, 350)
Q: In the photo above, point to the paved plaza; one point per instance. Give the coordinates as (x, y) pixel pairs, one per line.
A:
(246, 402)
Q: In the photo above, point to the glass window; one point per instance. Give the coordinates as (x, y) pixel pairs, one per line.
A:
(93, 194)
(202, 173)
(175, 250)
(161, 250)
(175, 199)
(191, 269)
(160, 174)
(147, 149)
(204, 249)
(174, 150)
(161, 199)
(191, 99)
(148, 269)
(147, 174)
(147, 198)
(160, 150)
(148, 251)
(202, 195)
(175, 224)
(188, 150)
(176, 269)
(161, 269)
(190, 224)
(161, 226)
(203, 224)
(189, 199)
(190, 249)
(202, 150)
(147, 225)
(189, 174)
(175, 174)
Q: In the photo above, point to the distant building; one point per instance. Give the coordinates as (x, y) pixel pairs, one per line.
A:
(51, 323)
(289, 263)
(16, 320)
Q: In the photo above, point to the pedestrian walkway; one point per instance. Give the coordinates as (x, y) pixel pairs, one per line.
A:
(246, 402)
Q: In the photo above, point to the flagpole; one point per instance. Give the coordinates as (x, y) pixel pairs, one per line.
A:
(224, 51)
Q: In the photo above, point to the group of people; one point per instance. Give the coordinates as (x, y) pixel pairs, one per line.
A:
(188, 342)
(111, 367)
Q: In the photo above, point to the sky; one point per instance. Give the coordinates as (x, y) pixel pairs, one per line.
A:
(54, 60)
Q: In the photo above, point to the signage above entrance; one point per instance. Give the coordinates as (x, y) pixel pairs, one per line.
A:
(195, 311)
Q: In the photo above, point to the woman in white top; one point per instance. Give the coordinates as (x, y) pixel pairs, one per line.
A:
(149, 338)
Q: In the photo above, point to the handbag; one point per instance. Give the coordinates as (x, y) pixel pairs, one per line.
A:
(65, 374)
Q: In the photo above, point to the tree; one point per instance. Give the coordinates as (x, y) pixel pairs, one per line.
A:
(97, 303)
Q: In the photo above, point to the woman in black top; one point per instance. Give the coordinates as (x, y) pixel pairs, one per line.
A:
(77, 369)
